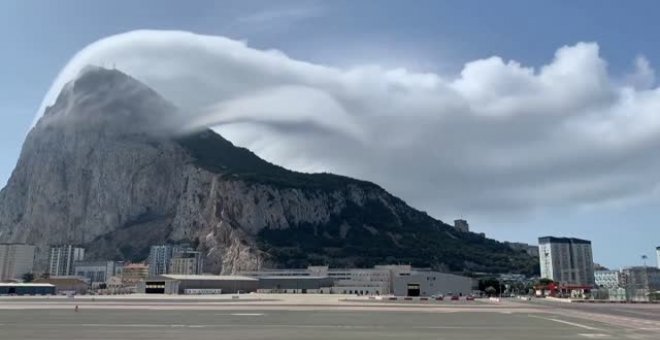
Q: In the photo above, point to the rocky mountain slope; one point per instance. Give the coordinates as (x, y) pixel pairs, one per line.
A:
(102, 169)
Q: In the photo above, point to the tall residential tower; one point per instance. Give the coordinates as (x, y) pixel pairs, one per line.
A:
(62, 258)
(566, 260)
(15, 260)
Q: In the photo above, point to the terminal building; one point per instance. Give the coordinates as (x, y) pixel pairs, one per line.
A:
(294, 284)
(399, 280)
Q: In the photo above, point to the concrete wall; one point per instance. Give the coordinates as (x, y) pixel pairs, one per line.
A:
(227, 286)
(297, 283)
(178, 286)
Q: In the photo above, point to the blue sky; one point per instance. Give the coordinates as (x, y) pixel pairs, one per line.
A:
(39, 37)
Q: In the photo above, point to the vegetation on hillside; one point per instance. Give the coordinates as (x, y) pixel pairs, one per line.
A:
(216, 154)
(377, 234)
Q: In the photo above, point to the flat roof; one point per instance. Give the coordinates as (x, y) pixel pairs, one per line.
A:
(278, 277)
(208, 277)
(552, 239)
(6, 284)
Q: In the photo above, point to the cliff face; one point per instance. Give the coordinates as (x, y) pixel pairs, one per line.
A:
(101, 169)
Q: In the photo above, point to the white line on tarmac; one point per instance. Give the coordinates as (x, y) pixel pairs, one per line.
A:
(242, 314)
(293, 326)
(595, 335)
(567, 323)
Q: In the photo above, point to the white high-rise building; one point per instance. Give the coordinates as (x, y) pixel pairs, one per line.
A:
(566, 260)
(160, 257)
(61, 260)
(15, 260)
(186, 262)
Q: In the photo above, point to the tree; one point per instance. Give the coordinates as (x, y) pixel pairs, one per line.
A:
(490, 290)
(490, 282)
(545, 282)
(28, 277)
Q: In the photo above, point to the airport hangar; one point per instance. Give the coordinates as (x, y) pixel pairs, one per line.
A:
(198, 284)
(231, 284)
(9, 288)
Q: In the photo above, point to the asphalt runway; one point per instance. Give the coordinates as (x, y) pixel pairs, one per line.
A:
(642, 311)
(247, 320)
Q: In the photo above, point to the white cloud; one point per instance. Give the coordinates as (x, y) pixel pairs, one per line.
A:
(499, 137)
(644, 75)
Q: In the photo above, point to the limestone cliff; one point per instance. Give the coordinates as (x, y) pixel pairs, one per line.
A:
(102, 169)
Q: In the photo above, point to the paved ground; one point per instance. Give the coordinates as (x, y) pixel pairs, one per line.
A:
(314, 318)
(641, 311)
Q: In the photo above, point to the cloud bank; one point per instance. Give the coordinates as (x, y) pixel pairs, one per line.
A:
(499, 137)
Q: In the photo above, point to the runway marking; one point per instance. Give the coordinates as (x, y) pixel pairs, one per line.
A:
(595, 335)
(145, 325)
(293, 326)
(567, 323)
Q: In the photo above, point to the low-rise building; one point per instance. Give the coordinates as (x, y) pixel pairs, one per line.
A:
(608, 279)
(609, 285)
(640, 282)
(27, 289)
(134, 273)
(66, 285)
(97, 272)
